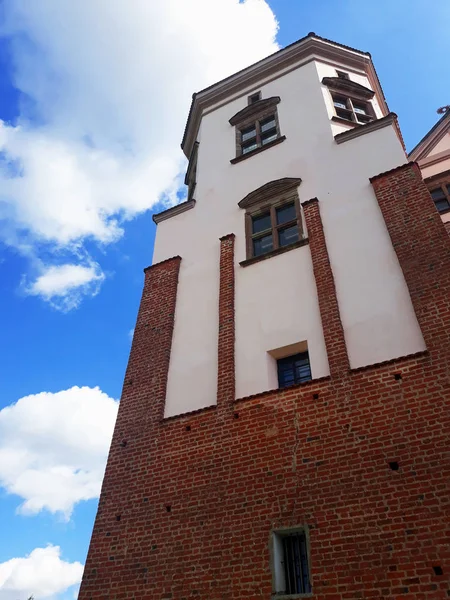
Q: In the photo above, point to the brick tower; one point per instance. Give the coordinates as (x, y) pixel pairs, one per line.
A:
(284, 424)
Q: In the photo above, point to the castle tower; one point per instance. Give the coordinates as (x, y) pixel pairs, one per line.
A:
(283, 427)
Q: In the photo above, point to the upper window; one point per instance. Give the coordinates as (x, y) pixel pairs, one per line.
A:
(291, 571)
(358, 111)
(260, 133)
(351, 100)
(257, 126)
(293, 369)
(441, 197)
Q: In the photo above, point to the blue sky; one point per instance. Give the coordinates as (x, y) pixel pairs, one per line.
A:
(89, 147)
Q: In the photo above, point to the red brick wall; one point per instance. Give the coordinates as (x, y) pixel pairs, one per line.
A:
(226, 383)
(199, 494)
(326, 290)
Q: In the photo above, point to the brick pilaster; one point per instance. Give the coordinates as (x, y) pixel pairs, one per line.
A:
(226, 368)
(422, 246)
(141, 409)
(326, 291)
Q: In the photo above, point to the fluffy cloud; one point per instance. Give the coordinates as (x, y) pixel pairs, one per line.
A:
(106, 90)
(64, 285)
(53, 448)
(42, 573)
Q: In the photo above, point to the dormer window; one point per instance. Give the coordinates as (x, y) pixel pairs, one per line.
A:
(350, 109)
(257, 126)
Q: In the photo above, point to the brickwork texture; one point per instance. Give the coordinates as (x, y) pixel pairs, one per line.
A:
(188, 503)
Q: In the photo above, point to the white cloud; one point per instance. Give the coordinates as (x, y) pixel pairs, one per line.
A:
(42, 574)
(64, 285)
(53, 448)
(107, 87)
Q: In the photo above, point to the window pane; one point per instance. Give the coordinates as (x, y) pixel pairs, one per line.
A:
(360, 108)
(442, 205)
(437, 194)
(293, 369)
(248, 134)
(262, 245)
(268, 124)
(340, 101)
(289, 235)
(344, 114)
(286, 213)
(249, 147)
(261, 223)
(269, 138)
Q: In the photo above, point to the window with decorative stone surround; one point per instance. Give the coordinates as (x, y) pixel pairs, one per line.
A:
(256, 127)
(351, 100)
(273, 219)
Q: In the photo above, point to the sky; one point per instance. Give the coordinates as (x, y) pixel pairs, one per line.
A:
(94, 96)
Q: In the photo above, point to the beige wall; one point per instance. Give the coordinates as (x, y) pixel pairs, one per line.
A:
(276, 300)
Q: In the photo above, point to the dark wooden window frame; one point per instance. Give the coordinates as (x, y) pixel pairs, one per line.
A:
(271, 208)
(353, 115)
(440, 182)
(252, 116)
(267, 199)
(352, 92)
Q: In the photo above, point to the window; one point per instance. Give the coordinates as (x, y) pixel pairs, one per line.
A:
(254, 98)
(260, 133)
(342, 75)
(441, 197)
(358, 111)
(291, 562)
(256, 126)
(275, 227)
(293, 369)
(273, 219)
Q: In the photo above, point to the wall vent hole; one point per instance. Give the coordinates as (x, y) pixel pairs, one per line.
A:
(438, 570)
(168, 508)
(118, 517)
(123, 443)
(315, 396)
(236, 416)
(188, 427)
(397, 376)
(394, 466)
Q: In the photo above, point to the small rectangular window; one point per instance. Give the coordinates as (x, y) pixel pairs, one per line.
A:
(293, 369)
(441, 198)
(254, 98)
(291, 563)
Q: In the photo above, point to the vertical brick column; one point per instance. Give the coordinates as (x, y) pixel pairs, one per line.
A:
(226, 368)
(326, 291)
(141, 408)
(422, 246)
